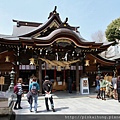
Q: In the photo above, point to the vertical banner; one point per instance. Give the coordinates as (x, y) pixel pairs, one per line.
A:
(2, 80)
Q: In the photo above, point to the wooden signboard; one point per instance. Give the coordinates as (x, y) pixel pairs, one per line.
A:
(2, 80)
(84, 85)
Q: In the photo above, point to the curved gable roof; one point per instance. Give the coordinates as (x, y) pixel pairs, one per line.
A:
(63, 30)
(34, 30)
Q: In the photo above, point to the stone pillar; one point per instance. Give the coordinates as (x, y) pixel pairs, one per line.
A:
(40, 74)
(77, 78)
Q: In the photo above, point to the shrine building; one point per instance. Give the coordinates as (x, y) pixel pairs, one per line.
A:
(52, 48)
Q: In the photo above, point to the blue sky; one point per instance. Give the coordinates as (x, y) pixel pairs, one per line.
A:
(90, 15)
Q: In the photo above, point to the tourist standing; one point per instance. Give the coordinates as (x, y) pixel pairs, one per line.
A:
(19, 94)
(33, 91)
(114, 84)
(47, 87)
(98, 87)
(102, 87)
(118, 88)
(70, 84)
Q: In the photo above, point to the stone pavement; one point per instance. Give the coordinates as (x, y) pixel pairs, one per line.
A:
(74, 103)
(70, 106)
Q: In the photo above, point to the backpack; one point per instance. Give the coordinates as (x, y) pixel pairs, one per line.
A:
(34, 90)
(16, 89)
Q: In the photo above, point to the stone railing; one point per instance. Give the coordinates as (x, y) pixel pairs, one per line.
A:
(6, 112)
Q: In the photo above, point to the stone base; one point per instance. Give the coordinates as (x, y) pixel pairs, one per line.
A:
(10, 116)
(6, 105)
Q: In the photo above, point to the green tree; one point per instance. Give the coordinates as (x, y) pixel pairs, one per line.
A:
(113, 31)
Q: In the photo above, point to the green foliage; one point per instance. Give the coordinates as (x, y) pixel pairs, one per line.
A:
(113, 30)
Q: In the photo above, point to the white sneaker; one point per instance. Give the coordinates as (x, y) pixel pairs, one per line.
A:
(35, 111)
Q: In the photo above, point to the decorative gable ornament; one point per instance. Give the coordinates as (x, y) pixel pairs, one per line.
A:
(32, 61)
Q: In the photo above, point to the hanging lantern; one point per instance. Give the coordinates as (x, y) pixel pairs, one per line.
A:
(58, 68)
(49, 66)
(87, 62)
(67, 67)
(94, 61)
(32, 61)
(7, 58)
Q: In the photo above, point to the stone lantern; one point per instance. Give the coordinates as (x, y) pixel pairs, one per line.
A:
(12, 77)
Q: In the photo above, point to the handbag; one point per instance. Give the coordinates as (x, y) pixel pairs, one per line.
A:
(115, 86)
(48, 95)
(97, 88)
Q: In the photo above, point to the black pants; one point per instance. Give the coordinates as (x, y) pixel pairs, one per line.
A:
(18, 102)
(70, 88)
(102, 93)
(98, 94)
(51, 102)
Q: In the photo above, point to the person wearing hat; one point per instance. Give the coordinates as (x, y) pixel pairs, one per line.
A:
(47, 87)
(102, 87)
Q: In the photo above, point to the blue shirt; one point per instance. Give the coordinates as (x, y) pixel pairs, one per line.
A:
(37, 85)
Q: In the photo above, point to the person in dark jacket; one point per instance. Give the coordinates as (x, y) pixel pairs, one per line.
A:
(98, 87)
(47, 87)
(118, 88)
(70, 84)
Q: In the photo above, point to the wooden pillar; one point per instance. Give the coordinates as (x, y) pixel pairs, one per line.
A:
(16, 73)
(40, 74)
(64, 75)
(45, 70)
(55, 81)
(55, 74)
(77, 78)
(17, 61)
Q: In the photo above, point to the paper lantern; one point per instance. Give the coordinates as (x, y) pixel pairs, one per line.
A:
(87, 62)
(49, 66)
(59, 68)
(95, 61)
(67, 67)
(7, 58)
